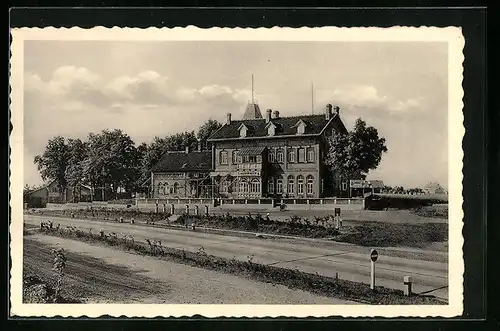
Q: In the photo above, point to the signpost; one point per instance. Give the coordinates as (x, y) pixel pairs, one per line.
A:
(373, 258)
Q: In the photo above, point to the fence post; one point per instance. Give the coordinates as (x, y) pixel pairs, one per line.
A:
(206, 211)
(156, 207)
(196, 210)
(407, 286)
(172, 209)
(187, 209)
(164, 208)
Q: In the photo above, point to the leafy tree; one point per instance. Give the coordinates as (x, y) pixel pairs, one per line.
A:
(77, 150)
(353, 155)
(111, 160)
(206, 130)
(53, 162)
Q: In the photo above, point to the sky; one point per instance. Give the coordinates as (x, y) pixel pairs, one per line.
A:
(156, 88)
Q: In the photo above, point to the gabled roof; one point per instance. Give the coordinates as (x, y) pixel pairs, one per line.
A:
(251, 151)
(258, 127)
(184, 162)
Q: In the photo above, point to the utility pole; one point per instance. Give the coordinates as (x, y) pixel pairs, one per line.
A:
(252, 90)
(312, 97)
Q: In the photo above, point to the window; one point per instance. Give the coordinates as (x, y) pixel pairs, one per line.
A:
(310, 154)
(160, 188)
(223, 157)
(258, 159)
(243, 131)
(279, 186)
(310, 184)
(302, 155)
(223, 186)
(271, 130)
(291, 155)
(279, 156)
(243, 186)
(239, 159)
(235, 157)
(291, 185)
(300, 185)
(271, 156)
(255, 186)
(344, 186)
(176, 187)
(252, 159)
(270, 185)
(301, 128)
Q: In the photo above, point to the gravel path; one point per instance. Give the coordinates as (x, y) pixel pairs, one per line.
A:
(102, 274)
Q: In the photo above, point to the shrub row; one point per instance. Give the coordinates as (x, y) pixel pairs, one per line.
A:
(322, 285)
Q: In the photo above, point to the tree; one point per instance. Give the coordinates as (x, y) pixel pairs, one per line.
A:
(206, 130)
(353, 155)
(111, 161)
(53, 162)
(74, 174)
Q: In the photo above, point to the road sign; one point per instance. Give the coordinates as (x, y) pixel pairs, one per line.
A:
(373, 255)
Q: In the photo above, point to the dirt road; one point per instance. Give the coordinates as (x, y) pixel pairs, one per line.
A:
(97, 274)
(350, 262)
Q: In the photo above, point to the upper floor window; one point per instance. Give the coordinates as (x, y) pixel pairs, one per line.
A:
(279, 156)
(271, 156)
(302, 155)
(291, 155)
(310, 154)
(301, 128)
(223, 157)
(243, 131)
(235, 157)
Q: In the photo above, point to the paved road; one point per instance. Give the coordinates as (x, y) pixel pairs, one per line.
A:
(349, 262)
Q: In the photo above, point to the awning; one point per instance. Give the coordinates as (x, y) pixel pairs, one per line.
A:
(251, 151)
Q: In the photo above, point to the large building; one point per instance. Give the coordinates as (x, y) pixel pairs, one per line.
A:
(274, 156)
(184, 174)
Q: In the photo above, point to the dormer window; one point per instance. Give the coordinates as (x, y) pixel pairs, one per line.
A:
(301, 127)
(243, 130)
(271, 129)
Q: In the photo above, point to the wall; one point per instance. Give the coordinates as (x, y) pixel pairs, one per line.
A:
(182, 179)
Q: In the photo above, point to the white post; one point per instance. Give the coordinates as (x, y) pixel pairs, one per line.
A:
(407, 286)
(372, 278)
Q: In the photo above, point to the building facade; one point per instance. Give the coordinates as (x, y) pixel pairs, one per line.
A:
(273, 156)
(184, 174)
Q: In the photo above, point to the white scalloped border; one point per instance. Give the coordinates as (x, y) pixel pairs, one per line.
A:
(452, 35)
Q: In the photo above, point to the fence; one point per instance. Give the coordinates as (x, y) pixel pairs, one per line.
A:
(262, 204)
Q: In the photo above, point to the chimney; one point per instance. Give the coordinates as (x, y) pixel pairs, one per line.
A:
(268, 115)
(228, 119)
(276, 114)
(187, 149)
(328, 112)
(336, 110)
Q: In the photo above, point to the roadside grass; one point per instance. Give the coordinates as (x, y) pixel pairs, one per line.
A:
(434, 211)
(362, 233)
(38, 290)
(322, 285)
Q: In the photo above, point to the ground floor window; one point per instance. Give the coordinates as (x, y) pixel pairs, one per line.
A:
(223, 186)
(255, 186)
(279, 186)
(161, 188)
(270, 186)
(310, 184)
(243, 186)
(300, 185)
(291, 185)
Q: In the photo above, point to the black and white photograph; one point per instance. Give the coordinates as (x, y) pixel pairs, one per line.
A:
(229, 172)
